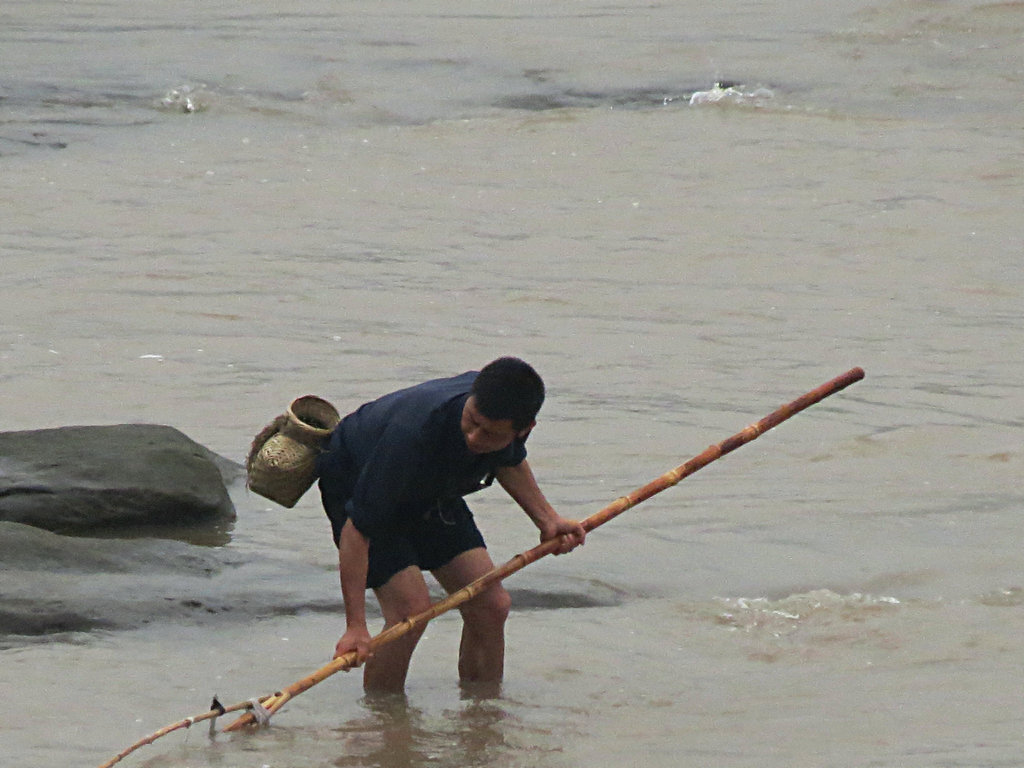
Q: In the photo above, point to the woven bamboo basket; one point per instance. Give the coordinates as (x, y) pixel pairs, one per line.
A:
(282, 459)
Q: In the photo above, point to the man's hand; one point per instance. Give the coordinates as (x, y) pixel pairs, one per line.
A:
(355, 639)
(353, 554)
(521, 485)
(571, 533)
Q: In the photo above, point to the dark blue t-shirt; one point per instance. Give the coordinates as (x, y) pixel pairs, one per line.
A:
(404, 453)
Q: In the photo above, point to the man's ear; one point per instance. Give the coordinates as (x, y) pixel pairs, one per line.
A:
(525, 433)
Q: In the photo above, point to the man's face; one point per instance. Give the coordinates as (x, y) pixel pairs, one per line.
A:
(485, 435)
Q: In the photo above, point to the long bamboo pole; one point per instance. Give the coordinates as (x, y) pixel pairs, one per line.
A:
(272, 703)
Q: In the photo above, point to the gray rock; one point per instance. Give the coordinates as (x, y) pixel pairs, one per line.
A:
(95, 479)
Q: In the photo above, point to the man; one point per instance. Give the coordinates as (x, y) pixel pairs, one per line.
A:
(392, 480)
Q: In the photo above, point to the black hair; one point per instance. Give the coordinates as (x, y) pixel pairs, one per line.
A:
(509, 388)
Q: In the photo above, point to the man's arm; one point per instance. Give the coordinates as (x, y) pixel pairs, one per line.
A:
(519, 482)
(353, 556)
(378, 493)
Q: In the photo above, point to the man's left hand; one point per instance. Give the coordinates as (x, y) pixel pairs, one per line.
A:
(570, 532)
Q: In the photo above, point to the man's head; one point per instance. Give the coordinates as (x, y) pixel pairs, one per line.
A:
(503, 404)
(508, 388)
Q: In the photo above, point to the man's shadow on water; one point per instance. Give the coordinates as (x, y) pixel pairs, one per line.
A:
(395, 734)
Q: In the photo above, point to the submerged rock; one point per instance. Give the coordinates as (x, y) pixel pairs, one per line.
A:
(92, 479)
(61, 588)
(57, 586)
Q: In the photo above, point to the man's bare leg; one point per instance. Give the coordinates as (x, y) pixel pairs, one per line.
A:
(482, 650)
(403, 595)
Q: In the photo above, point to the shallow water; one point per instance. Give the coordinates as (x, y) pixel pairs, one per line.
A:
(209, 211)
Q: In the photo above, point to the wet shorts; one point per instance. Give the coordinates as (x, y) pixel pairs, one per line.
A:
(429, 541)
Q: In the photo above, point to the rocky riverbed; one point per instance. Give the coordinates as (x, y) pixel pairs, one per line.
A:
(116, 527)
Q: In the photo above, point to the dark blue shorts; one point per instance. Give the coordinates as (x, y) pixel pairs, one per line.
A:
(427, 541)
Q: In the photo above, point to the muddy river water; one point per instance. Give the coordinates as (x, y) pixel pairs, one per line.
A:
(209, 209)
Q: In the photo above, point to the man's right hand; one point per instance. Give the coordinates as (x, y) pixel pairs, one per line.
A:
(353, 560)
(355, 639)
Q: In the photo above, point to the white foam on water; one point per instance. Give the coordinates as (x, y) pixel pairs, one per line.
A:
(731, 94)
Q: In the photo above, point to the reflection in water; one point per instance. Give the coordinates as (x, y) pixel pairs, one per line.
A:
(394, 734)
(390, 734)
(482, 724)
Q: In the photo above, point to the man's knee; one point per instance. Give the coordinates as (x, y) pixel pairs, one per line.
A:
(409, 606)
(491, 606)
(403, 596)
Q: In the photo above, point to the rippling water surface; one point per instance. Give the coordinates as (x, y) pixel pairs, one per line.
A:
(210, 209)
